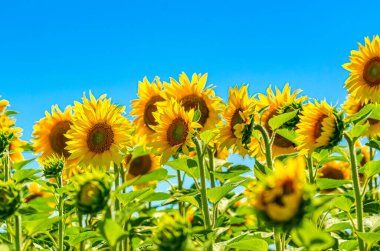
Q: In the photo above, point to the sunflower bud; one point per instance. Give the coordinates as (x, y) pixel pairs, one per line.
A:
(173, 233)
(91, 192)
(53, 166)
(10, 199)
(5, 141)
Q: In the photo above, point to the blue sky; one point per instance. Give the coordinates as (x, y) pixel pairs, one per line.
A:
(53, 51)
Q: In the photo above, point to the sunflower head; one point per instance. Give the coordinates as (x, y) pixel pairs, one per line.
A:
(194, 95)
(98, 132)
(364, 68)
(53, 166)
(91, 192)
(280, 197)
(49, 133)
(175, 129)
(337, 170)
(149, 94)
(320, 127)
(141, 165)
(238, 117)
(10, 199)
(276, 103)
(173, 233)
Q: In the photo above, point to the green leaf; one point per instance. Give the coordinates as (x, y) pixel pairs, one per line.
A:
(39, 225)
(126, 198)
(215, 194)
(324, 183)
(290, 135)
(372, 207)
(21, 175)
(189, 199)
(197, 115)
(79, 237)
(21, 164)
(250, 244)
(10, 113)
(208, 135)
(157, 196)
(358, 130)
(232, 172)
(156, 175)
(370, 238)
(338, 227)
(277, 121)
(374, 144)
(4, 247)
(371, 168)
(343, 202)
(349, 245)
(361, 115)
(184, 164)
(111, 231)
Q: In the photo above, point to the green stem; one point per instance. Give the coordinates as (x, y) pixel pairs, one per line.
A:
(277, 240)
(206, 214)
(180, 204)
(356, 185)
(18, 236)
(80, 220)
(61, 219)
(267, 144)
(116, 173)
(309, 159)
(212, 178)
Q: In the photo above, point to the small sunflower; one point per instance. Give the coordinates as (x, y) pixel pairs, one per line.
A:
(98, 133)
(337, 170)
(49, 133)
(193, 95)
(174, 130)
(240, 109)
(276, 103)
(364, 68)
(352, 106)
(149, 94)
(16, 149)
(320, 127)
(141, 165)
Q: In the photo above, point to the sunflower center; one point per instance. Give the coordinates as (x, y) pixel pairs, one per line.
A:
(194, 102)
(100, 138)
(150, 108)
(177, 132)
(140, 165)
(332, 173)
(371, 72)
(318, 127)
(236, 119)
(57, 138)
(89, 194)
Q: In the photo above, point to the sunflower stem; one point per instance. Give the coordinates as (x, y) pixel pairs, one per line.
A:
(356, 185)
(180, 204)
(116, 173)
(60, 212)
(18, 236)
(80, 220)
(206, 214)
(309, 159)
(212, 178)
(267, 144)
(277, 240)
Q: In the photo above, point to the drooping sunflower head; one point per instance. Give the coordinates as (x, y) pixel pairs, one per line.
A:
(364, 68)
(98, 133)
(193, 94)
(352, 106)
(237, 115)
(149, 94)
(277, 103)
(49, 133)
(141, 165)
(174, 130)
(320, 127)
(337, 170)
(280, 196)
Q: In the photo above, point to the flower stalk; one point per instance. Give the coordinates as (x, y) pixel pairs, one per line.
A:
(61, 216)
(267, 145)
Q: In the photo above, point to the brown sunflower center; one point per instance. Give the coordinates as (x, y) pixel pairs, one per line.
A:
(177, 132)
(140, 165)
(235, 120)
(100, 138)
(318, 127)
(332, 173)
(57, 138)
(194, 102)
(371, 72)
(150, 108)
(278, 139)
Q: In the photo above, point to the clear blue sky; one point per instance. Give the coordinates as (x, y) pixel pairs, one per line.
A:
(53, 51)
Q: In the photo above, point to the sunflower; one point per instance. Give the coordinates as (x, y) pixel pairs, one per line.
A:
(352, 106)
(337, 170)
(364, 68)
(174, 130)
(279, 103)
(149, 94)
(320, 127)
(280, 196)
(141, 165)
(16, 149)
(36, 191)
(98, 133)
(49, 133)
(237, 115)
(193, 95)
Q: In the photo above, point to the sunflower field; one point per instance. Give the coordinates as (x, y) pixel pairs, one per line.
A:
(161, 177)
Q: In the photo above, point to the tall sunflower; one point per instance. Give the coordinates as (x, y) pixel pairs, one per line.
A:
(149, 94)
(364, 68)
(237, 116)
(174, 130)
(352, 106)
(277, 103)
(320, 127)
(193, 95)
(98, 133)
(49, 133)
